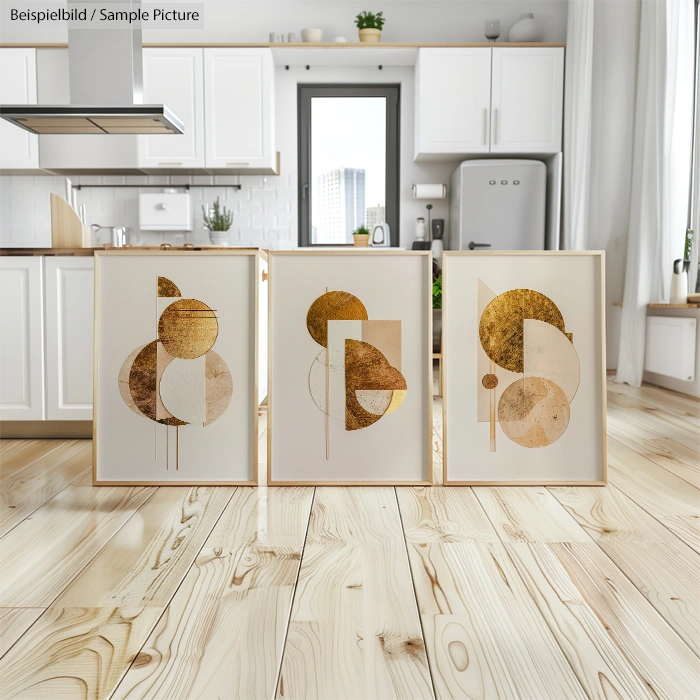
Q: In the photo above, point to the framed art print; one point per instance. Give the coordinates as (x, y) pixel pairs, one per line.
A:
(350, 398)
(524, 368)
(176, 367)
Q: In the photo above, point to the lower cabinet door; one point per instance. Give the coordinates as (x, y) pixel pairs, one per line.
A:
(70, 302)
(21, 338)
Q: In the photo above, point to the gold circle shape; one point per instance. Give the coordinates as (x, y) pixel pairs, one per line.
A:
(188, 328)
(333, 306)
(501, 328)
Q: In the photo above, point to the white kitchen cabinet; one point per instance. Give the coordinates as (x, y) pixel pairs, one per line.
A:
(527, 92)
(69, 304)
(22, 338)
(174, 77)
(239, 106)
(481, 100)
(453, 94)
(19, 150)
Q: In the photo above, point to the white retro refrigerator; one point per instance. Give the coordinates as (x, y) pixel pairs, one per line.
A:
(498, 205)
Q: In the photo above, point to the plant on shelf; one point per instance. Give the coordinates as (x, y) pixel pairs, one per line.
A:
(437, 293)
(217, 221)
(370, 26)
(360, 237)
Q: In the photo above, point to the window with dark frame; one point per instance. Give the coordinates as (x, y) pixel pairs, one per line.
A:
(348, 139)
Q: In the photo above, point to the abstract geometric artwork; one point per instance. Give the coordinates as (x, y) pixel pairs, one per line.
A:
(366, 353)
(179, 366)
(533, 368)
(177, 379)
(350, 399)
(523, 368)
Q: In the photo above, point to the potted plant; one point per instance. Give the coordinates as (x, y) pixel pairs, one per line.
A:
(217, 221)
(437, 312)
(360, 237)
(370, 26)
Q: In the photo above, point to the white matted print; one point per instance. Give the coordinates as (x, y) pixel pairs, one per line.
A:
(175, 367)
(350, 398)
(524, 370)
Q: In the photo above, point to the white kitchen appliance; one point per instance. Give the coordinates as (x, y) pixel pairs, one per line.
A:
(498, 205)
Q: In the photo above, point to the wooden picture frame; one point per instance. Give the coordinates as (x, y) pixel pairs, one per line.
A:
(580, 293)
(244, 373)
(340, 270)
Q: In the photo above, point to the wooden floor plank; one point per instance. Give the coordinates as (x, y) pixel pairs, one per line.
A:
(19, 454)
(14, 622)
(28, 489)
(44, 553)
(664, 661)
(221, 636)
(485, 637)
(607, 514)
(673, 501)
(599, 664)
(443, 514)
(650, 399)
(354, 629)
(84, 643)
(528, 514)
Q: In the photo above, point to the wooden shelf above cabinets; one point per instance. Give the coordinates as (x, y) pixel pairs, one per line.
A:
(306, 45)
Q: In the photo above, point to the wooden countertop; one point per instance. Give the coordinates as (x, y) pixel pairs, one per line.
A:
(91, 251)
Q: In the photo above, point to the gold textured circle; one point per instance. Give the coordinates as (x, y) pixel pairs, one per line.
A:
(501, 326)
(490, 381)
(188, 328)
(533, 412)
(333, 306)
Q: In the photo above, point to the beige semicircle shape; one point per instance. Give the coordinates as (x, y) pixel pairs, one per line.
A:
(374, 401)
(218, 386)
(317, 385)
(551, 355)
(182, 389)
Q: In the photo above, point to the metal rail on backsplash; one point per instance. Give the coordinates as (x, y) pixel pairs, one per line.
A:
(160, 187)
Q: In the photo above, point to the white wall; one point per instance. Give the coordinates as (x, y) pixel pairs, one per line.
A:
(407, 20)
(613, 103)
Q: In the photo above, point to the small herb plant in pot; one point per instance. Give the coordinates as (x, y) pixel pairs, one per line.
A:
(217, 221)
(370, 26)
(360, 237)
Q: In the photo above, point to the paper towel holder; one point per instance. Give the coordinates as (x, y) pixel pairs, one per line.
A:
(429, 191)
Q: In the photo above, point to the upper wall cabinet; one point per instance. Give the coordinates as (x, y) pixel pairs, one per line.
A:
(527, 94)
(481, 100)
(19, 150)
(174, 77)
(453, 97)
(239, 107)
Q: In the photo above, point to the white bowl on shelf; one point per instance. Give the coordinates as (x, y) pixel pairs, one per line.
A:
(312, 36)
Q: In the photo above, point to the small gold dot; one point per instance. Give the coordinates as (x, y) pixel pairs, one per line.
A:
(490, 381)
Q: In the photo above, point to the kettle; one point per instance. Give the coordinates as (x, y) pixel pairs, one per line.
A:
(379, 237)
(119, 235)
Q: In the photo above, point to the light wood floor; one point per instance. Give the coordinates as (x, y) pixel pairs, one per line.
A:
(481, 593)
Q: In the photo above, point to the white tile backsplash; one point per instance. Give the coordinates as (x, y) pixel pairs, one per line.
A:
(260, 216)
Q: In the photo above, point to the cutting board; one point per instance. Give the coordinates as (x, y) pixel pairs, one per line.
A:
(67, 230)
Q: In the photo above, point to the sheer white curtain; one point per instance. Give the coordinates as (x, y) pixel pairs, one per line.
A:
(577, 123)
(661, 160)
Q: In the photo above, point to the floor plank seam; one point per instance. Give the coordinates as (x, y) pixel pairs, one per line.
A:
(293, 597)
(415, 593)
(166, 605)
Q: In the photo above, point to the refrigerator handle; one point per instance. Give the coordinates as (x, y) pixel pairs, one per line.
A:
(495, 126)
(486, 112)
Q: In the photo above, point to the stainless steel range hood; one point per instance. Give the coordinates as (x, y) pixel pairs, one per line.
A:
(106, 88)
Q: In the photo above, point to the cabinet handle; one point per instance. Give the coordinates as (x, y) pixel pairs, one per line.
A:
(485, 124)
(170, 163)
(495, 126)
(265, 275)
(242, 165)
